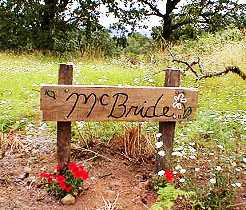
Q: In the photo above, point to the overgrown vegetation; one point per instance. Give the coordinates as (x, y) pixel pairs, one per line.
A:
(211, 148)
(62, 27)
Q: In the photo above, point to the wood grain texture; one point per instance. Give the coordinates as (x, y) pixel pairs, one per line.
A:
(106, 103)
(167, 129)
(65, 77)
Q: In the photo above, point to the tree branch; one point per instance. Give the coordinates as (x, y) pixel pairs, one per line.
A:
(233, 69)
(170, 5)
(157, 12)
(204, 75)
(177, 25)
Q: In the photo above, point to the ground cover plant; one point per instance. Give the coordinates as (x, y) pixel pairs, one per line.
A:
(65, 181)
(209, 153)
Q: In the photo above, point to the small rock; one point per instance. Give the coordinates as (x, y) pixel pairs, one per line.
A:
(30, 180)
(23, 176)
(20, 155)
(68, 200)
(27, 170)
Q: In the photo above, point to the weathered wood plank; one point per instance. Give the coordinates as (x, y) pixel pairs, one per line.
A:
(103, 103)
(65, 76)
(167, 129)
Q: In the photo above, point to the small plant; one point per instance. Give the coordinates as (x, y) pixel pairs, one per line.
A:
(66, 181)
(217, 195)
(167, 193)
(167, 196)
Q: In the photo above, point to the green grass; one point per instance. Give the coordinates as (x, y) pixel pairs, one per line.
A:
(221, 118)
(22, 74)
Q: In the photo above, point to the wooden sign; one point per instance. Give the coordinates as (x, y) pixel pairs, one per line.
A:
(104, 103)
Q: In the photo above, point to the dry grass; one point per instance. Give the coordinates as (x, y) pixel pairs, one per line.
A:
(10, 142)
(109, 205)
(133, 143)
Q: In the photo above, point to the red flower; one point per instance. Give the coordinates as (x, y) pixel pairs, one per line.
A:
(81, 173)
(47, 176)
(64, 187)
(57, 168)
(78, 171)
(169, 175)
(60, 179)
(44, 175)
(68, 188)
(72, 166)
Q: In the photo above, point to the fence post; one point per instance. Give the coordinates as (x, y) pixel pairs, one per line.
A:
(167, 129)
(65, 77)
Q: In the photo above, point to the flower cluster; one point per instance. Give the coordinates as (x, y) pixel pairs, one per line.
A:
(78, 171)
(159, 145)
(67, 180)
(168, 174)
(62, 183)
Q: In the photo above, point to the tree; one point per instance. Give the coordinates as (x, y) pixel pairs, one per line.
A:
(192, 16)
(31, 23)
(57, 25)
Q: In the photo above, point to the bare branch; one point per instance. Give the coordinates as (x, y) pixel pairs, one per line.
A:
(155, 10)
(189, 65)
(233, 69)
(203, 74)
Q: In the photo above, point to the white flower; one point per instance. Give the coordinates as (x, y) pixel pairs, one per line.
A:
(244, 160)
(182, 180)
(179, 148)
(192, 150)
(81, 124)
(158, 144)
(220, 146)
(238, 169)
(179, 154)
(158, 135)
(178, 167)
(197, 169)
(43, 126)
(212, 181)
(218, 168)
(161, 153)
(182, 171)
(238, 184)
(179, 101)
(161, 173)
(193, 157)
(192, 143)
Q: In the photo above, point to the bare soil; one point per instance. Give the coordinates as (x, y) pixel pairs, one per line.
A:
(113, 178)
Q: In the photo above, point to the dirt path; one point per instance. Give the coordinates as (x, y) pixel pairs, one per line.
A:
(118, 181)
(114, 180)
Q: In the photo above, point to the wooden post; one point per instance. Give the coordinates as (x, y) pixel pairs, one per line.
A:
(65, 77)
(167, 129)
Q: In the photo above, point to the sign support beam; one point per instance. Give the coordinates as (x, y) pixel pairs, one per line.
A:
(65, 77)
(167, 129)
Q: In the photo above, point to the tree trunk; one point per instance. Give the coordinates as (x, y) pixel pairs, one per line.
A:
(47, 24)
(166, 28)
(167, 19)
